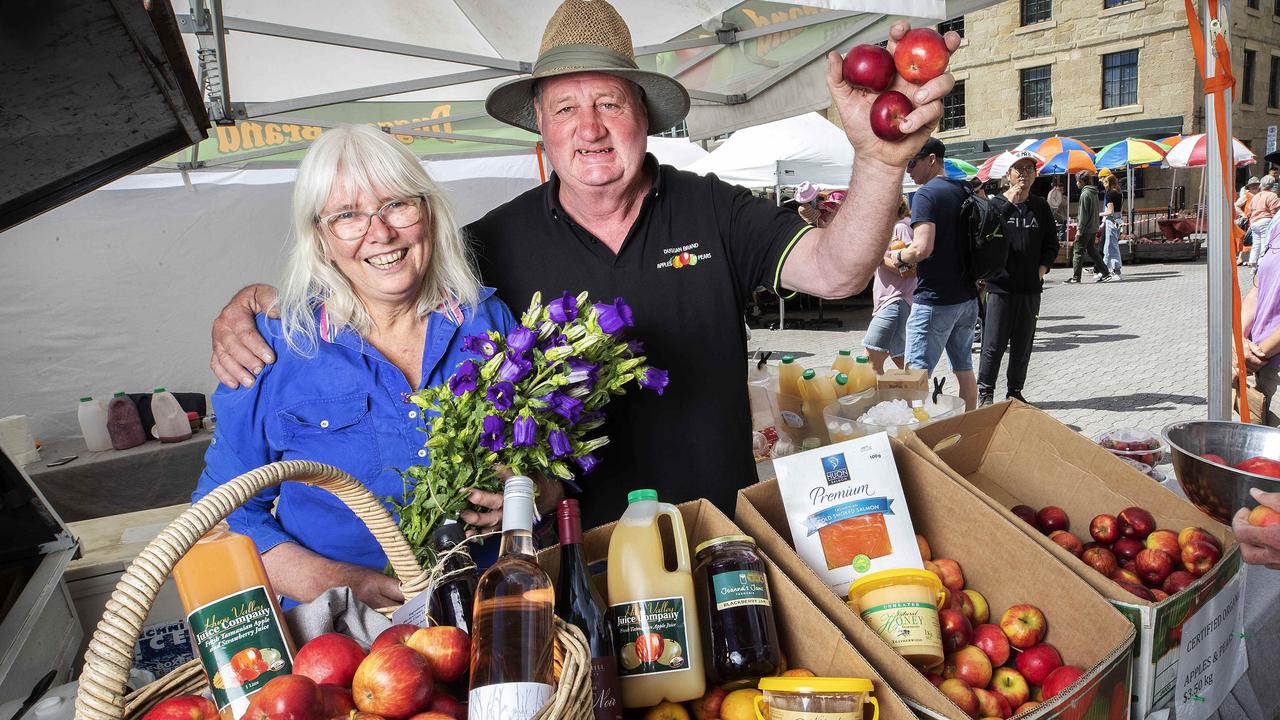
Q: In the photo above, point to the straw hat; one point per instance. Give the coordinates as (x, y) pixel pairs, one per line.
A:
(1253, 181)
(589, 36)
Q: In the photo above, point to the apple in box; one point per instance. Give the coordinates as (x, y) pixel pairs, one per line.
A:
(1037, 662)
(956, 630)
(183, 707)
(394, 635)
(1060, 680)
(970, 665)
(394, 682)
(1052, 518)
(959, 692)
(990, 640)
(287, 697)
(446, 648)
(1024, 625)
(1105, 529)
(991, 704)
(1010, 685)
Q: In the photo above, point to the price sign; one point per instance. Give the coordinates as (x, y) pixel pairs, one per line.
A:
(1271, 139)
(1212, 655)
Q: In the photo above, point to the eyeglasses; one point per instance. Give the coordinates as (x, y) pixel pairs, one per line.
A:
(353, 224)
(911, 164)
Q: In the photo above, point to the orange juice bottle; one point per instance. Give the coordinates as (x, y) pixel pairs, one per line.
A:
(843, 363)
(789, 372)
(817, 392)
(842, 384)
(235, 621)
(863, 376)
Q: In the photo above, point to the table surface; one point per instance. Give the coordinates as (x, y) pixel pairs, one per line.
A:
(109, 544)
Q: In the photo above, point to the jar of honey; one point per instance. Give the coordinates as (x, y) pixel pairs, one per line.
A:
(902, 607)
(742, 641)
(815, 698)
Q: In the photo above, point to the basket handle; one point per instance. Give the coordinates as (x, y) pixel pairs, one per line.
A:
(110, 654)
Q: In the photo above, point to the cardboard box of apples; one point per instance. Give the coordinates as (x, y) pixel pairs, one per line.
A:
(1089, 509)
(1018, 628)
(405, 675)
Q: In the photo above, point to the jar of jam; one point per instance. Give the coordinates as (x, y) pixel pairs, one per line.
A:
(742, 642)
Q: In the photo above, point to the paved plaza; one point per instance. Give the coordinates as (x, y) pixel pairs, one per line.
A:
(1107, 355)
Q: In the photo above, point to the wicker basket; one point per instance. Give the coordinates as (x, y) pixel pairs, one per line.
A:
(110, 654)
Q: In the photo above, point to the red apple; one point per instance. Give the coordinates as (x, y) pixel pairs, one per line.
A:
(1125, 575)
(330, 658)
(932, 677)
(446, 648)
(962, 602)
(1067, 541)
(990, 639)
(183, 707)
(1105, 529)
(1164, 540)
(1178, 581)
(445, 705)
(1026, 707)
(1026, 513)
(970, 665)
(286, 697)
(887, 113)
(1024, 625)
(1136, 523)
(433, 715)
(1262, 516)
(337, 700)
(956, 630)
(1037, 662)
(1259, 465)
(394, 635)
(959, 692)
(1199, 557)
(921, 55)
(1153, 566)
(991, 704)
(1159, 594)
(394, 682)
(1061, 679)
(1214, 458)
(870, 67)
(981, 610)
(950, 573)
(1100, 559)
(1010, 685)
(1052, 518)
(1126, 549)
(1191, 534)
(1140, 591)
(707, 707)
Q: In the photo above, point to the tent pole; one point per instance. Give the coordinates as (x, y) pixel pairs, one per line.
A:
(1219, 286)
(777, 197)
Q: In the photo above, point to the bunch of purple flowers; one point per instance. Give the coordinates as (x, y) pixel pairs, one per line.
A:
(528, 401)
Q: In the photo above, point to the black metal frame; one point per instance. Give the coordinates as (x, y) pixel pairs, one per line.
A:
(1119, 70)
(1035, 98)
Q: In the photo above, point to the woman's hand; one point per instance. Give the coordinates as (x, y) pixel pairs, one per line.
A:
(550, 492)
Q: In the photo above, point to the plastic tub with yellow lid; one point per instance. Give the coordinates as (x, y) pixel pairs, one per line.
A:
(902, 607)
(815, 698)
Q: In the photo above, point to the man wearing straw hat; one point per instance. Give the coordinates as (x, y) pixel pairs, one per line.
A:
(611, 220)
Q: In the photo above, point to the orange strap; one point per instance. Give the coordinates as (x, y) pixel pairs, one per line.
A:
(542, 171)
(1217, 86)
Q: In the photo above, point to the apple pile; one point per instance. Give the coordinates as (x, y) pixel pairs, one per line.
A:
(1140, 447)
(335, 679)
(1148, 562)
(920, 56)
(993, 670)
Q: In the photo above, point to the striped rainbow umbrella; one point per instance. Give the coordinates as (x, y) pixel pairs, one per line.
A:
(1069, 161)
(1171, 140)
(1130, 152)
(1190, 152)
(1053, 146)
(958, 169)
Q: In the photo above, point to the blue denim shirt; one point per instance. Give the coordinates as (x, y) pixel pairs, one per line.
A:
(345, 406)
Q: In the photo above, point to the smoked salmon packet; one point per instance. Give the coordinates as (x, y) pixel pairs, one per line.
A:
(847, 512)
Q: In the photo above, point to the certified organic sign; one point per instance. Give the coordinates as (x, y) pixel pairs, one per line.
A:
(1212, 654)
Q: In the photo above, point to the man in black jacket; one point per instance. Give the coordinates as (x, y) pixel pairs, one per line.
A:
(1013, 296)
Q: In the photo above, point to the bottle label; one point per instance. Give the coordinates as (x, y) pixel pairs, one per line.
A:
(737, 588)
(606, 698)
(650, 636)
(508, 701)
(776, 714)
(241, 645)
(905, 624)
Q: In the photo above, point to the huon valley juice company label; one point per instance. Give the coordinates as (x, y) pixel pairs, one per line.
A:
(240, 644)
(651, 636)
(737, 588)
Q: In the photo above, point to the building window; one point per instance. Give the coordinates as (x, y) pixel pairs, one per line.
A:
(953, 108)
(1034, 11)
(1253, 4)
(957, 25)
(1276, 8)
(1037, 92)
(1118, 3)
(1273, 84)
(1120, 79)
(1246, 76)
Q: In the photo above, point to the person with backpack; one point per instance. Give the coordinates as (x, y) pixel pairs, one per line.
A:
(944, 308)
(1088, 220)
(1013, 295)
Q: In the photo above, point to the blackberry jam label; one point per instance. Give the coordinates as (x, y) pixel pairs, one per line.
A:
(737, 588)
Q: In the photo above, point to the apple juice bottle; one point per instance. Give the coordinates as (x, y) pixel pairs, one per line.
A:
(236, 626)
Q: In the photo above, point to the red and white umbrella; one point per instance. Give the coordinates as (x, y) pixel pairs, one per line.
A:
(997, 166)
(1190, 152)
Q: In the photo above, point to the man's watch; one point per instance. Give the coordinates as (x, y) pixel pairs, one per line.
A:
(897, 258)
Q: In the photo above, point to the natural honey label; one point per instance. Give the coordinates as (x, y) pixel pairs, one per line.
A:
(846, 510)
(240, 644)
(905, 624)
(776, 714)
(651, 636)
(737, 588)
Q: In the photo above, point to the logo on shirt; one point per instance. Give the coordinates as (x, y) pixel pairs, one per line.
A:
(681, 257)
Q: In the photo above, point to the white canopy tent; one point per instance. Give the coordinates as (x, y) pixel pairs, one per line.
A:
(809, 147)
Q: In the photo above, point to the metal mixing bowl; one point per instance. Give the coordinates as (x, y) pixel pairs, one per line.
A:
(1216, 489)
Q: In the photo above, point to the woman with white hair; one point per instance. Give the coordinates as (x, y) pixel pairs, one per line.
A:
(378, 299)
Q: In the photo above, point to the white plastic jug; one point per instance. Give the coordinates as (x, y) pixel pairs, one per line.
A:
(171, 420)
(93, 424)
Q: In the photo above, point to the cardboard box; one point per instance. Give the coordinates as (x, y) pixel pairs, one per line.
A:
(894, 379)
(998, 561)
(808, 638)
(1012, 453)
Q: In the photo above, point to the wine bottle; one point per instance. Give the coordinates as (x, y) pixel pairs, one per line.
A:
(578, 603)
(453, 597)
(512, 647)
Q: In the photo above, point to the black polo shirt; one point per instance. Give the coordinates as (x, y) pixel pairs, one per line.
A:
(688, 266)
